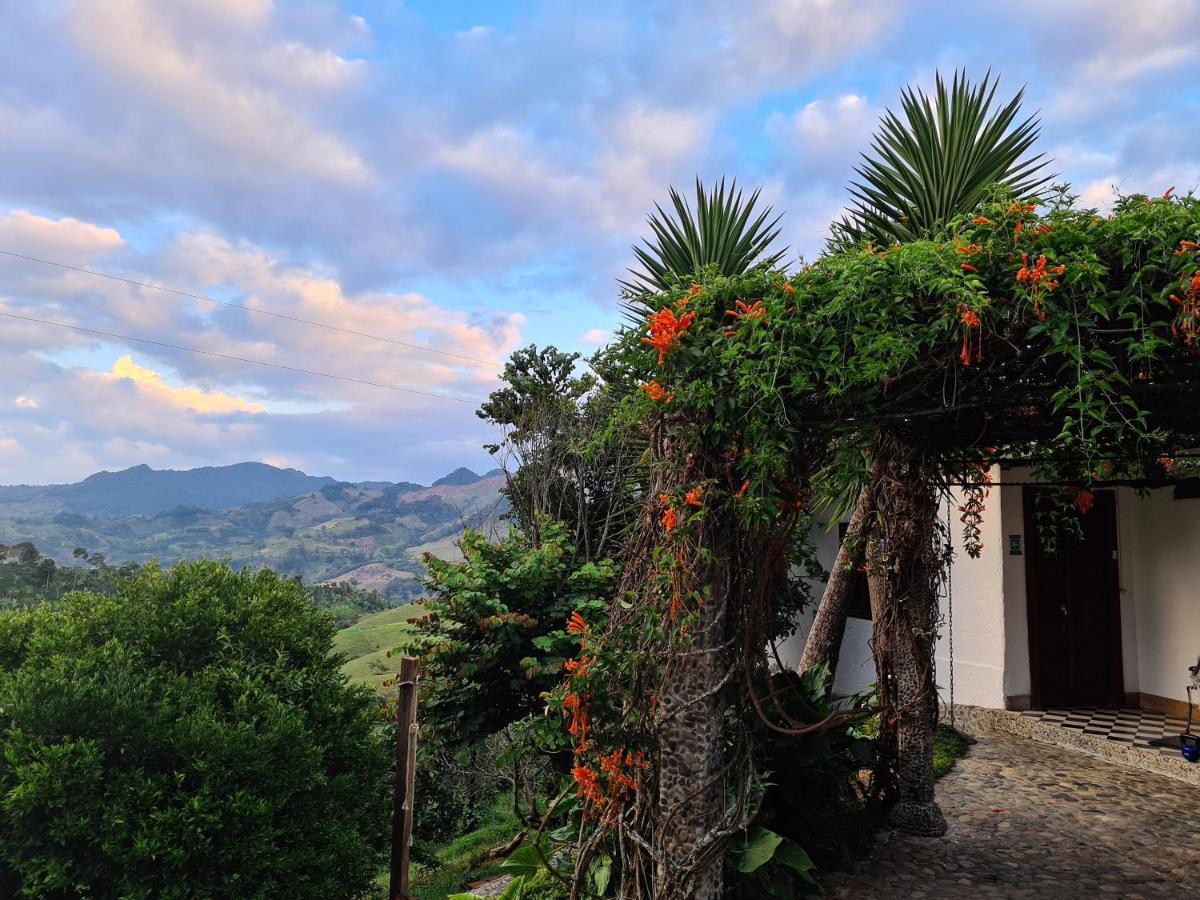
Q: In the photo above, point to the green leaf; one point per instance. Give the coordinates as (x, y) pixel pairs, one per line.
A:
(760, 846)
(523, 861)
(600, 872)
(792, 855)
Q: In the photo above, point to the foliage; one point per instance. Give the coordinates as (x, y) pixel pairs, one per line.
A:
(564, 453)
(940, 162)
(815, 794)
(444, 869)
(949, 746)
(347, 603)
(720, 235)
(27, 577)
(1027, 330)
(451, 801)
(494, 639)
(189, 736)
(769, 865)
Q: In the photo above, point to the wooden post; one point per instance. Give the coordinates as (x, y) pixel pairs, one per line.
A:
(406, 768)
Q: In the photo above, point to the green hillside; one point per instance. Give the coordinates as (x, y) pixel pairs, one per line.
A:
(368, 641)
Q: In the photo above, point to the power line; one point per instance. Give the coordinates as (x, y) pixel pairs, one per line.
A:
(253, 309)
(256, 362)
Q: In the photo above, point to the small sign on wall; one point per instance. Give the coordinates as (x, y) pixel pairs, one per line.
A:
(1014, 545)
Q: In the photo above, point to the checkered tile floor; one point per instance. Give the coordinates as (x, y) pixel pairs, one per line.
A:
(1139, 727)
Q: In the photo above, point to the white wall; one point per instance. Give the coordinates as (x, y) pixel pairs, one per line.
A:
(977, 590)
(1160, 577)
(856, 668)
(1017, 682)
(979, 637)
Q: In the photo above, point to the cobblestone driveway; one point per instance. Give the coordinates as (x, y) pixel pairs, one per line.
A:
(1034, 820)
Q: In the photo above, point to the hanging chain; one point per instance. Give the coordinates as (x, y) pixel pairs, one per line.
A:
(950, 598)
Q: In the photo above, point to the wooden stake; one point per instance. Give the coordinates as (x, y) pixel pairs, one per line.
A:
(406, 769)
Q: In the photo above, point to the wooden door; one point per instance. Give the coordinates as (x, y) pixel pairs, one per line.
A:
(1075, 611)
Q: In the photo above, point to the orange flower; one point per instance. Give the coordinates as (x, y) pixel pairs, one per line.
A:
(694, 290)
(1038, 278)
(657, 392)
(745, 487)
(787, 287)
(967, 267)
(589, 784)
(981, 220)
(693, 497)
(969, 250)
(1017, 231)
(666, 329)
(1167, 463)
(1083, 500)
(753, 310)
(576, 624)
(1185, 247)
(1167, 194)
(670, 519)
(971, 320)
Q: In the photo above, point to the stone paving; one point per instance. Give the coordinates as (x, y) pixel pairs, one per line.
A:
(1034, 820)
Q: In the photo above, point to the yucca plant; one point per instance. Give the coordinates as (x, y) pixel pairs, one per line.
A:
(723, 233)
(939, 161)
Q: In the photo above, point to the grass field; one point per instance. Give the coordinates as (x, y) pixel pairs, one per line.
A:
(366, 644)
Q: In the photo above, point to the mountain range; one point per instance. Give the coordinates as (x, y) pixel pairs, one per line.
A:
(316, 528)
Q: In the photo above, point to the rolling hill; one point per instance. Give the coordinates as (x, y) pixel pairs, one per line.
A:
(143, 491)
(318, 529)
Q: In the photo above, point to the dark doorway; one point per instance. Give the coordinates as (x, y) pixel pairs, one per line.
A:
(1074, 601)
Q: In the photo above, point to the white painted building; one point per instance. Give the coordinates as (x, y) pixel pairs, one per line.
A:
(1115, 621)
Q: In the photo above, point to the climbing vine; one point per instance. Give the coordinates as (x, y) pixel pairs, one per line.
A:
(1032, 332)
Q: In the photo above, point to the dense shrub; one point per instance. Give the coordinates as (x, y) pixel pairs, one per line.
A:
(450, 799)
(188, 737)
(494, 640)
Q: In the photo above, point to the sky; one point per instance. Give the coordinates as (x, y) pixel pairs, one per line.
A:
(467, 176)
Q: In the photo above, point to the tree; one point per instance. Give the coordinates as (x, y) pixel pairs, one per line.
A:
(936, 165)
(190, 736)
(940, 162)
(565, 454)
(720, 236)
(494, 639)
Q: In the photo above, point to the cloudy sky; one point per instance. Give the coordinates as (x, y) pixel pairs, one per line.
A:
(466, 176)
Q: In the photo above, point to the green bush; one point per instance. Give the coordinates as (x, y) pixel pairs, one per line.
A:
(494, 640)
(448, 801)
(188, 737)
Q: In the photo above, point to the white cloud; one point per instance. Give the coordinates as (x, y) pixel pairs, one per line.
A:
(192, 84)
(66, 239)
(822, 139)
(593, 337)
(187, 409)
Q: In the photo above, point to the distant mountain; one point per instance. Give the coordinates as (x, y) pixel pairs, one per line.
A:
(458, 478)
(373, 533)
(142, 491)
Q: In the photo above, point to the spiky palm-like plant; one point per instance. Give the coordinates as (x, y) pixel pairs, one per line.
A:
(939, 161)
(723, 232)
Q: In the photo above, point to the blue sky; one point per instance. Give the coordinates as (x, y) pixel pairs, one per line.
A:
(468, 175)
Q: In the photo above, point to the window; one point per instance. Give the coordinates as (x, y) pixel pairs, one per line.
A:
(860, 596)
